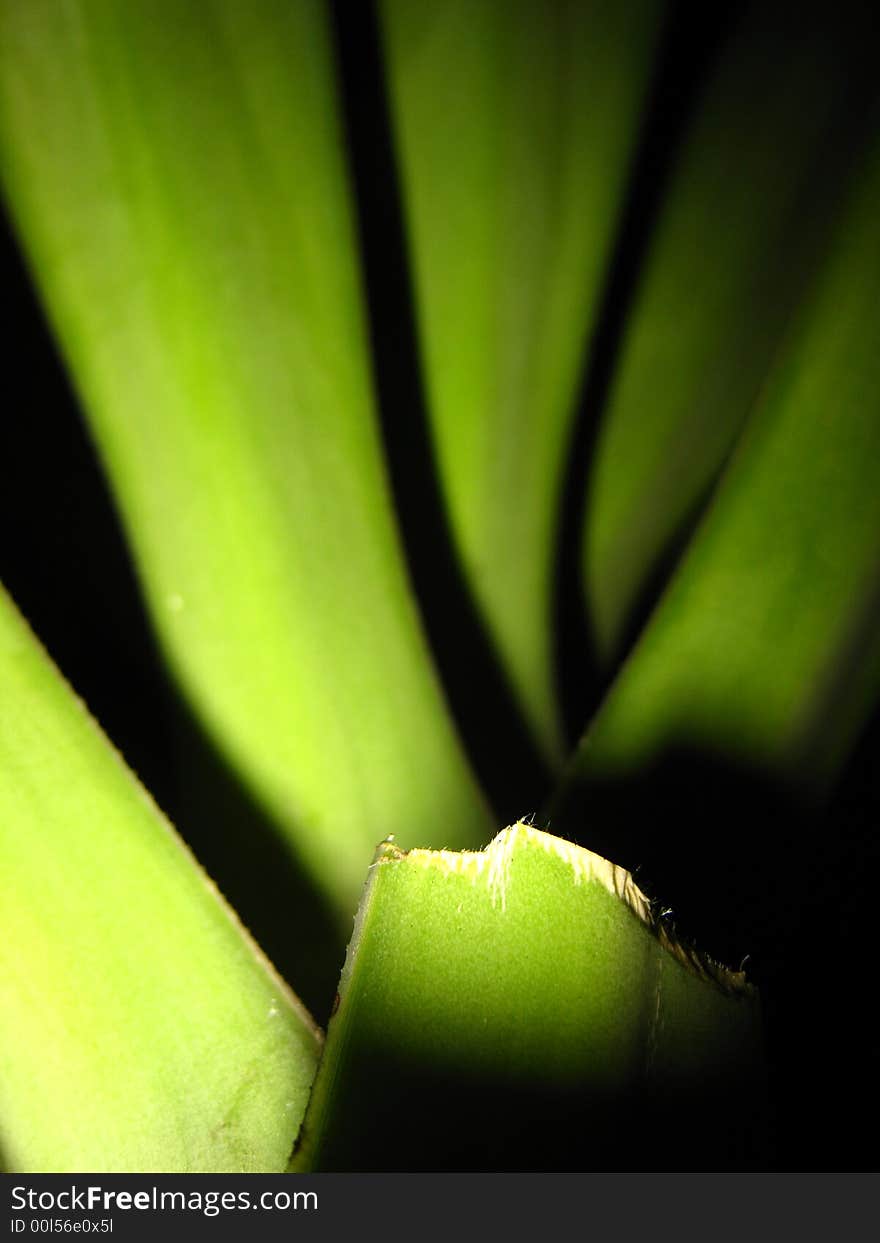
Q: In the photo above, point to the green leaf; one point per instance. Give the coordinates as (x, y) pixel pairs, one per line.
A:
(765, 648)
(176, 175)
(742, 219)
(515, 126)
(142, 1029)
(491, 1002)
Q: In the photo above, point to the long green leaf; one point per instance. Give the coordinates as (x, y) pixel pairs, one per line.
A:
(515, 125)
(176, 174)
(516, 1007)
(765, 649)
(741, 222)
(140, 1027)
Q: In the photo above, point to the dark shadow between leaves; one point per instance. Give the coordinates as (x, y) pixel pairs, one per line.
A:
(486, 713)
(717, 842)
(692, 39)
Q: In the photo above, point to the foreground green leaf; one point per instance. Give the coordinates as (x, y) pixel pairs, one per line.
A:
(516, 125)
(497, 1007)
(140, 1027)
(741, 223)
(176, 175)
(765, 648)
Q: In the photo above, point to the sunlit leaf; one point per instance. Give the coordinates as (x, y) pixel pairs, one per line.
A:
(140, 1027)
(176, 175)
(498, 1007)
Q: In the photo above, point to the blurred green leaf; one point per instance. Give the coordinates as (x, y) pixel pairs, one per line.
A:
(176, 174)
(765, 648)
(742, 220)
(516, 125)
